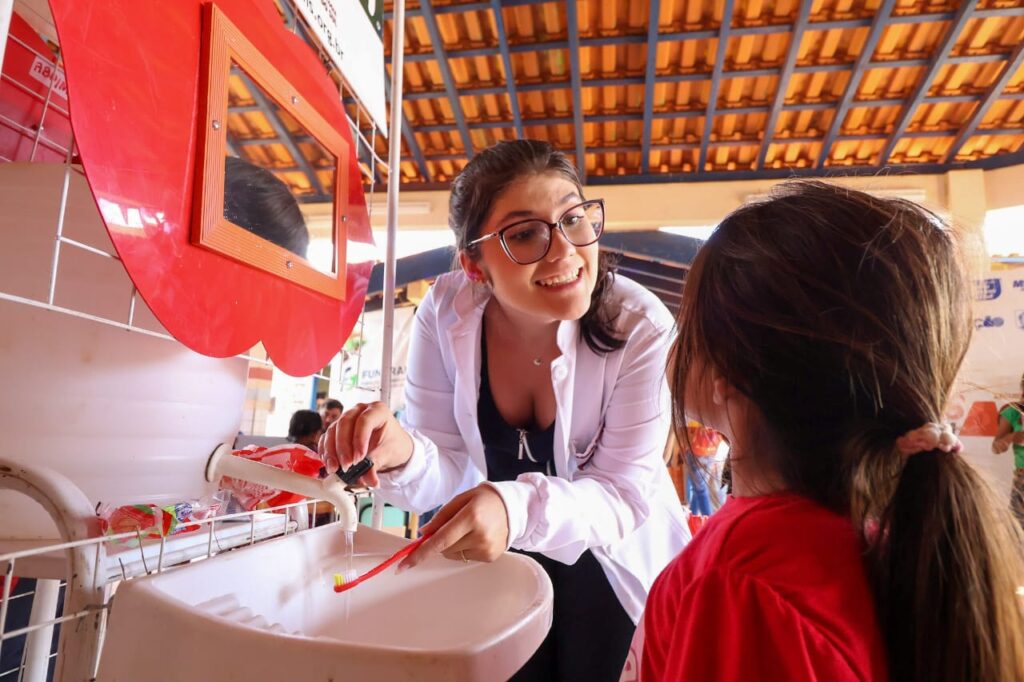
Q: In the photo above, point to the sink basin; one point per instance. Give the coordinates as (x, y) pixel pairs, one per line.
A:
(269, 613)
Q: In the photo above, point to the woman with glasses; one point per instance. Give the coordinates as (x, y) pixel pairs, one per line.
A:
(536, 409)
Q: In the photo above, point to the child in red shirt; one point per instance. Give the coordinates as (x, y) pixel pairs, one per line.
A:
(754, 610)
(820, 333)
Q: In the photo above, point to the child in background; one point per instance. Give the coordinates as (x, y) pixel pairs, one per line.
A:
(701, 445)
(821, 331)
(1011, 432)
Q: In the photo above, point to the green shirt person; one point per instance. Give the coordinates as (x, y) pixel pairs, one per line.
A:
(1011, 432)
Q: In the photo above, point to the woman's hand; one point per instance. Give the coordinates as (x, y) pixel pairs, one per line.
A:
(366, 430)
(472, 527)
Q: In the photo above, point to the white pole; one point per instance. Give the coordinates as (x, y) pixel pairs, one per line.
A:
(394, 178)
(39, 642)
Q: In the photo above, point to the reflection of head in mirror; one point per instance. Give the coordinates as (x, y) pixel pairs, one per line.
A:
(256, 200)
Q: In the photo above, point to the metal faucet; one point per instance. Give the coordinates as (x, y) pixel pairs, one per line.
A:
(331, 488)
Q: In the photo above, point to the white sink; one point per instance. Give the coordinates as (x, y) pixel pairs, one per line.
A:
(269, 613)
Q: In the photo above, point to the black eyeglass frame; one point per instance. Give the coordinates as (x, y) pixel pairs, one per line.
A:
(551, 226)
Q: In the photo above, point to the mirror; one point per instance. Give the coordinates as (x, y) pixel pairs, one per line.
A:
(273, 167)
(270, 190)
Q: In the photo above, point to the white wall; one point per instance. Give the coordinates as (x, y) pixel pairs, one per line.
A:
(126, 416)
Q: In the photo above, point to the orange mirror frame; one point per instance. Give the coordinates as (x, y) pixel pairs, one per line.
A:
(223, 44)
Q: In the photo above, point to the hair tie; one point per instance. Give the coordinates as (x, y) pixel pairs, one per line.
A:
(931, 436)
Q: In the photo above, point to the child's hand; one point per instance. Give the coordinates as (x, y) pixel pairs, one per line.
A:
(472, 527)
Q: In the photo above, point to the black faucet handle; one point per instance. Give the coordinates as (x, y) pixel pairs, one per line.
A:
(354, 472)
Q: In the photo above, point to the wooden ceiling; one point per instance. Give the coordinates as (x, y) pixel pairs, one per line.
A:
(714, 90)
(265, 134)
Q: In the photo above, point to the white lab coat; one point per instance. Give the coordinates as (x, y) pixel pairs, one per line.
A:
(611, 492)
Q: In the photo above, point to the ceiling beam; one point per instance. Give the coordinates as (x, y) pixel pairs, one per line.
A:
(572, 19)
(409, 135)
(446, 75)
(628, 116)
(767, 174)
(988, 163)
(795, 38)
(506, 60)
(716, 82)
(902, 18)
(522, 3)
(283, 136)
(991, 95)
(459, 9)
(695, 34)
(752, 142)
(755, 29)
(706, 75)
(649, 76)
(428, 56)
(546, 121)
(938, 60)
(443, 94)
(878, 25)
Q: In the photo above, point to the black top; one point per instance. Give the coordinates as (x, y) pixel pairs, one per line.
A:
(510, 451)
(590, 632)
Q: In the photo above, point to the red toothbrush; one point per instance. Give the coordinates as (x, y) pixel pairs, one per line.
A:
(340, 586)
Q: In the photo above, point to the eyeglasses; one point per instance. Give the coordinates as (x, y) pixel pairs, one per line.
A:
(528, 241)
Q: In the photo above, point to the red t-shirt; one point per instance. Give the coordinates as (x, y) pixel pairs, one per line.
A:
(772, 589)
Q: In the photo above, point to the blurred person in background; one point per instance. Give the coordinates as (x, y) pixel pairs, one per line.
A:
(331, 411)
(1011, 432)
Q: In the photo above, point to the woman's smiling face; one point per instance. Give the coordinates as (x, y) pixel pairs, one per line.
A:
(558, 286)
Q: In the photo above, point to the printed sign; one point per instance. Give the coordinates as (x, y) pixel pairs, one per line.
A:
(987, 289)
(355, 373)
(988, 321)
(346, 30)
(28, 73)
(43, 71)
(375, 13)
(991, 373)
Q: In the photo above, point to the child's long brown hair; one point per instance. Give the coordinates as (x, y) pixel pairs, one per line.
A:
(844, 318)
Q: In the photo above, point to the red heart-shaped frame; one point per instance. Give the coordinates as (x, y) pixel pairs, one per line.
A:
(133, 80)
